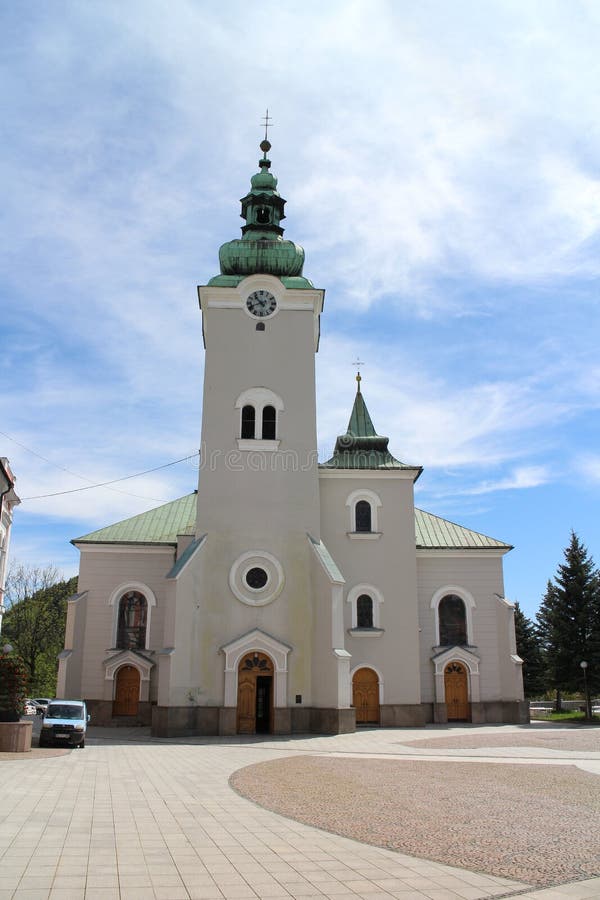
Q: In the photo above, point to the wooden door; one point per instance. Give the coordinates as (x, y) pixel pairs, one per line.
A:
(127, 692)
(365, 696)
(456, 685)
(255, 694)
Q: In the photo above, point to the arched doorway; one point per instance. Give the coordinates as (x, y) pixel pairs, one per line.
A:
(127, 692)
(365, 696)
(255, 694)
(456, 687)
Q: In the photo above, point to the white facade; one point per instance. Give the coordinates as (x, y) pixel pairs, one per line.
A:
(284, 595)
(8, 501)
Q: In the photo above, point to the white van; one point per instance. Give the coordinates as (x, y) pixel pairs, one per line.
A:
(64, 724)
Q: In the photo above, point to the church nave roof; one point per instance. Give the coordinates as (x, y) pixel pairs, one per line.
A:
(160, 526)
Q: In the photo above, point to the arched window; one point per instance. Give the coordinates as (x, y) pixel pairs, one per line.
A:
(362, 512)
(366, 602)
(453, 621)
(248, 419)
(131, 625)
(269, 423)
(263, 215)
(364, 611)
(260, 419)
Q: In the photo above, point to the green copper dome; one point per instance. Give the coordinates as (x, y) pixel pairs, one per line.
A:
(262, 250)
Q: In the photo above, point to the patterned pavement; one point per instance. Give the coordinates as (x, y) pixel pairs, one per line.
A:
(133, 817)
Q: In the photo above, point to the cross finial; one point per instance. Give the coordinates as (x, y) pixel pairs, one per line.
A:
(357, 362)
(268, 123)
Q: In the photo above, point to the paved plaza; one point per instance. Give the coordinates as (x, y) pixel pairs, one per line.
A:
(134, 817)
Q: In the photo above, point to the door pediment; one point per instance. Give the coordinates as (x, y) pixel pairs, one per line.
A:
(128, 658)
(462, 654)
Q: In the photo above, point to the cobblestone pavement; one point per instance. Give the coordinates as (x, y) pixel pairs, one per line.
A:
(470, 814)
(132, 817)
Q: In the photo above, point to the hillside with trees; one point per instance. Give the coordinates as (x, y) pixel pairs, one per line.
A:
(35, 622)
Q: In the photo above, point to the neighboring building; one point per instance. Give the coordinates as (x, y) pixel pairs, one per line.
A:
(287, 596)
(8, 501)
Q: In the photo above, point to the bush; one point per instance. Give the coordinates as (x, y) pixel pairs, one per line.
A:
(13, 687)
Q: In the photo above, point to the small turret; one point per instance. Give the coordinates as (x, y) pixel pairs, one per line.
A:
(361, 447)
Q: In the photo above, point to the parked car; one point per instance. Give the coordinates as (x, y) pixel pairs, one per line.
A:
(42, 703)
(31, 708)
(64, 724)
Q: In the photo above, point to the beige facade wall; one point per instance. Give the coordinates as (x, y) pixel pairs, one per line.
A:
(102, 573)
(386, 564)
(480, 575)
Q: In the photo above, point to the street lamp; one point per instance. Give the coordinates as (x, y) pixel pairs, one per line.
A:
(588, 705)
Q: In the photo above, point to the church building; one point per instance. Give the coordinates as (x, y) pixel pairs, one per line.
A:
(286, 595)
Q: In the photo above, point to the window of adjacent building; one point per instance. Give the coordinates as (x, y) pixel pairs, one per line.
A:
(364, 611)
(248, 421)
(453, 621)
(131, 627)
(362, 514)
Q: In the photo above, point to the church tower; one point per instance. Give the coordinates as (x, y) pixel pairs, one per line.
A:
(248, 605)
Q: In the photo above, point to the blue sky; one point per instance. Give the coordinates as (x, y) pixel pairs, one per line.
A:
(440, 163)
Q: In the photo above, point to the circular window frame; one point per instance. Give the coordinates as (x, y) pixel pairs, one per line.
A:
(253, 559)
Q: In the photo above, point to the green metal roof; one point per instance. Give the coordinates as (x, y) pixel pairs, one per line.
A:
(327, 561)
(163, 524)
(434, 533)
(157, 526)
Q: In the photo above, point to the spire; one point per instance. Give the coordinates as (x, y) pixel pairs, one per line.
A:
(361, 447)
(261, 248)
(360, 424)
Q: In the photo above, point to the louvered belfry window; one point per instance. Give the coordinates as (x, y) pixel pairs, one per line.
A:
(248, 418)
(269, 423)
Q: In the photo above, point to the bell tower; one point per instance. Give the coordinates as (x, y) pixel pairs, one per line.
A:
(246, 590)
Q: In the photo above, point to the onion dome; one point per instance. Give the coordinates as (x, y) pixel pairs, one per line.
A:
(262, 248)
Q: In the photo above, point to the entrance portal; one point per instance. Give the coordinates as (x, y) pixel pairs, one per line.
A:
(456, 686)
(127, 692)
(255, 694)
(365, 696)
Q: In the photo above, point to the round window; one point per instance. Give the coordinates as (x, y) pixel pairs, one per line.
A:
(256, 578)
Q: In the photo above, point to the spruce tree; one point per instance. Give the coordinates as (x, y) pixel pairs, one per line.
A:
(568, 621)
(529, 649)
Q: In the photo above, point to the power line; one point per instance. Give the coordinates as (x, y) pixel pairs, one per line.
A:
(90, 487)
(70, 472)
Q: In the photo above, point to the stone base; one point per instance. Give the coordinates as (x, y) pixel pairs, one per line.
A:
(15, 737)
(500, 712)
(332, 721)
(101, 712)
(185, 721)
(404, 715)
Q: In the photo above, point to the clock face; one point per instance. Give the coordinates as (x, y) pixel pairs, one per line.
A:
(261, 303)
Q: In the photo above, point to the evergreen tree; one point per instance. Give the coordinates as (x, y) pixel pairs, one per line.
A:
(529, 649)
(568, 621)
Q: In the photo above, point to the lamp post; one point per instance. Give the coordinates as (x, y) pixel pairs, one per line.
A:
(588, 705)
